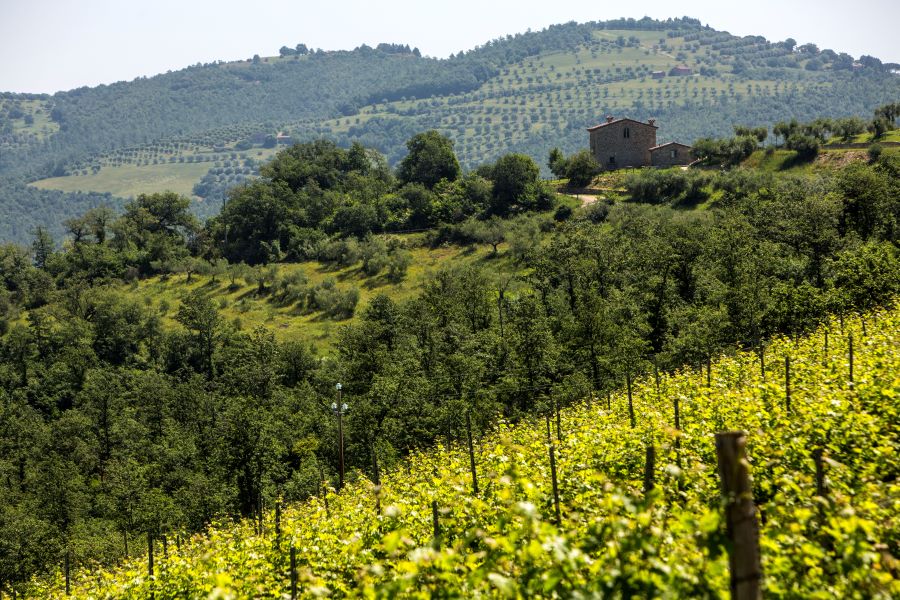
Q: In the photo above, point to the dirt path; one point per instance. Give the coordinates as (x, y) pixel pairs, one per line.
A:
(586, 199)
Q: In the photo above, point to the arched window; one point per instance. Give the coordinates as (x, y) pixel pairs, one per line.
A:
(627, 133)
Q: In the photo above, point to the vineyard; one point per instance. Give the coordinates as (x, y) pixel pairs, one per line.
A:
(615, 496)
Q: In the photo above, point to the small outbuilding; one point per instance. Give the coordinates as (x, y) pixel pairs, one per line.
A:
(671, 154)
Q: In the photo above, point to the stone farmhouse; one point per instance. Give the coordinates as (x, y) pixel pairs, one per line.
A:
(626, 143)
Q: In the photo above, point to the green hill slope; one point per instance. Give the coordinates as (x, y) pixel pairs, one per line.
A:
(613, 537)
(528, 93)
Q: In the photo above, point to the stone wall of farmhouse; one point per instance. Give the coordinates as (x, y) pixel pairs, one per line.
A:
(662, 157)
(613, 150)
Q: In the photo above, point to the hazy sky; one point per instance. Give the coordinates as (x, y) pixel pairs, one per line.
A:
(51, 45)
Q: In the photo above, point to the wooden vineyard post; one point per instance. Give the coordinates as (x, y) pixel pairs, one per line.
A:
(377, 476)
(436, 523)
(68, 578)
(740, 516)
(375, 470)
(820, 473)
(708, 372)
(150, 562)
(324, 489)
(558, 421)
(826, 342)
(678, 431)
(555, 485)
(293, 572)
(608, 401)
(787, 383)
(762, 361)
(278, 522)
(549, 434)
(850, 350)
(630, 403)
(649, 469)
(656, 376)
(259, 504)
(471, 454)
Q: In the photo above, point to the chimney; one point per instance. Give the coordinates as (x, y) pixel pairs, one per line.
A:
(651, 121)
(609, 118)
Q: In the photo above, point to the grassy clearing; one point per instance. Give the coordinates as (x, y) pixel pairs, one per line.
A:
(244, 304)
(868, 138)
(131, 180)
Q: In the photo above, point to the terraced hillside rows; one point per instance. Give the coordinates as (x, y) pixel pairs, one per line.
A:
(612, 538)
(526, 93)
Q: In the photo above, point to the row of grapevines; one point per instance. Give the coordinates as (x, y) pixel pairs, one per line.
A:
(614, 540)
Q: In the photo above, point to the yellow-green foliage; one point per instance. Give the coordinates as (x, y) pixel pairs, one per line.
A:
(612, 542)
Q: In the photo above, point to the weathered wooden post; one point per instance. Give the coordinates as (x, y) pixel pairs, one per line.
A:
(656, 376)
(708, 371)
(740, 516)
(850, 349)
(608, 401)
(293, 572)
(762, 361)
(278, 522)
(678, 431)
(787, 383)
(259, 504)
(68, 579)
(377, 476)
(375, 470)
(150, 562)
(558, 419)
(324, 489)
(649, 469)
(826, 342)
(471, 454)
(555, 485)
(547, 423)
(820, 473)
(630, 404)
(436, 524)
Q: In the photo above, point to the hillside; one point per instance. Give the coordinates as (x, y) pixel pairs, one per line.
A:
(620, 529)
(527, 93)
(151, 381)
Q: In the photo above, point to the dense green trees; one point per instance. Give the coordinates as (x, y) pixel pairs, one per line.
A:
(430, 158)
(316, 189)
(115, 424)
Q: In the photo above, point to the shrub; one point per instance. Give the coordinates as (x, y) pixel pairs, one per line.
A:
(345, 251)
(806, 146)
(563, 212)
(334, 302)
(596, 212)
(374, 255)
(398, 263)
(875, 151)
(581, 168)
